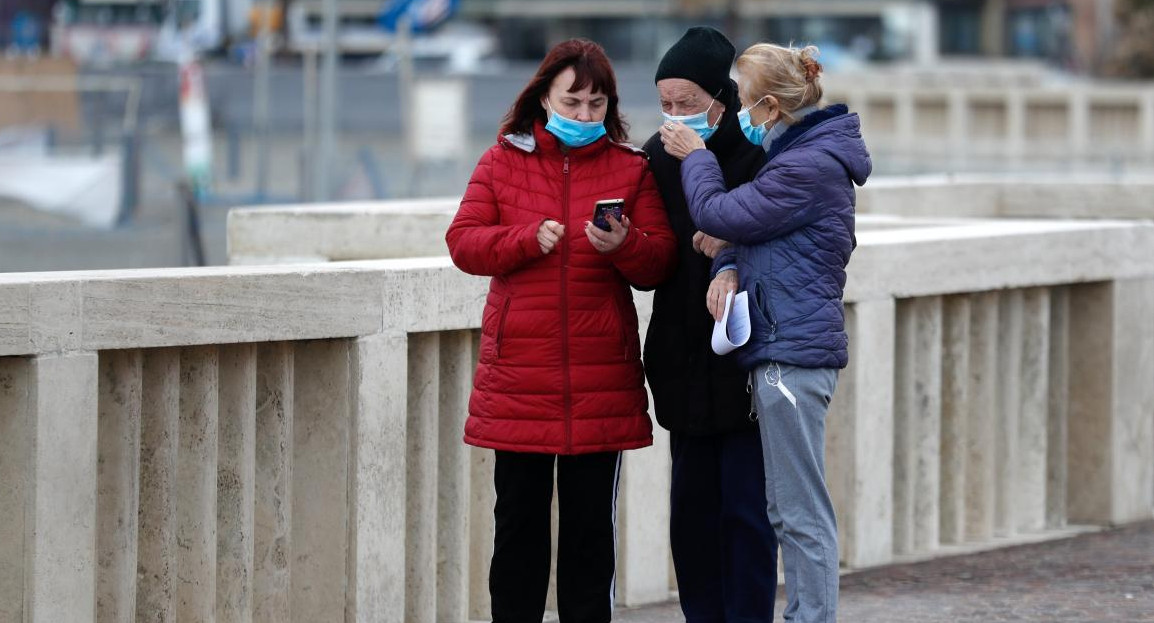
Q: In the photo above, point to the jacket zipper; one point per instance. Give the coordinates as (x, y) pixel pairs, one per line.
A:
(567, 389)
(501, 326)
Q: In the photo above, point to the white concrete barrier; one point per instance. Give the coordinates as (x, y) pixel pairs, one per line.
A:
(297, 451)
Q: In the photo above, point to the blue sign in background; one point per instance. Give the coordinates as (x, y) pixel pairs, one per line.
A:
(424, 15)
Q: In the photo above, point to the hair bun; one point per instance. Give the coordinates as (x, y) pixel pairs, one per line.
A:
(812, 68)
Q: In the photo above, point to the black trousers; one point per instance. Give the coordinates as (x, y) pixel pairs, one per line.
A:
(586, 542)
(724, 548)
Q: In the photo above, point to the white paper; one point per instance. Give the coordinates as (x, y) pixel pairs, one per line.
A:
(732, 331)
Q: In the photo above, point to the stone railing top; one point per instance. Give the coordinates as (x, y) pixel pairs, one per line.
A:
(98, 310)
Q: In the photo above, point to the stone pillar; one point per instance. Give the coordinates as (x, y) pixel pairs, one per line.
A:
(980, 463)
(118, 485)
(482, 500)
(926, 39)
(1146, 134)
(1015, 124)
(642, 503)
(377, 523)
(1059, 406)
(905, 112)
(1007, 385)
(993, 28)
(1079, 120)
(272, 493)
(1111, 419)
(60, 528)
(159, 441)
(917, 425)
(453, 478)
(15, 453)
(320, 469)
(421, 501)
(1030, 495)
(196, 468)
(958, 112)
(955, 414)
(236, 484)
(860, 437)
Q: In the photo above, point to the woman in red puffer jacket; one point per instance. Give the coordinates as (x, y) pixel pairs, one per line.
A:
(560, 380)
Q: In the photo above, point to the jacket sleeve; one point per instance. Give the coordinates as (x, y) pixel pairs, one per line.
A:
(726, 259)
(775, 203)
(649, 252)
(478, 243)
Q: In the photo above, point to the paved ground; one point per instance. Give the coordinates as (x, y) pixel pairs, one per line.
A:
(1094, 578)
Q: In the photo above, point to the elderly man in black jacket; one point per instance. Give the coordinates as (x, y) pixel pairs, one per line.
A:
(724, 549)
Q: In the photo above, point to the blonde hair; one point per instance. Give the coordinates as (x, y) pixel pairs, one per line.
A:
(789, 74)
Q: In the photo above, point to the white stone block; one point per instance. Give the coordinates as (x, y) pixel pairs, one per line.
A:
(1057, 422)
(482, 500)
(643, 524)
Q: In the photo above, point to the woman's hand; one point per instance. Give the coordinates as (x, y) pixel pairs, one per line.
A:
(679, 140)
(548, 235)
(724, 283)
(607, 241)
(710, 246)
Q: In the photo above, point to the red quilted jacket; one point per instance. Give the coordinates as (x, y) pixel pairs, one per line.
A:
(560, 363)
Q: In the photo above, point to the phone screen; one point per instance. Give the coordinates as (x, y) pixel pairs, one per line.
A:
(606, 208)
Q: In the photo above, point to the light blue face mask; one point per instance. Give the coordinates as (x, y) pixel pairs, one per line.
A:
(755, 133)
(698, 123)
(571, 132)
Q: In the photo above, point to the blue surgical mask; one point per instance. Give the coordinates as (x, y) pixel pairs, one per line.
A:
(698, 123)
(571, 132)
(755, 133)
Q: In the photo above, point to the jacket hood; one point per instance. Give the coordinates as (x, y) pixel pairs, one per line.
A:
(835, 131)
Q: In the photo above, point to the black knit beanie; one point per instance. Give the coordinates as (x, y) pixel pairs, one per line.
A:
(702, 56)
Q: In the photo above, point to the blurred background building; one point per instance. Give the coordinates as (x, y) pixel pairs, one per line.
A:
(126, 125)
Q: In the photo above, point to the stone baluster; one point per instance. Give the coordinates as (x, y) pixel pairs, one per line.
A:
(955, 413)
(980, 419)
(118, 485)
(15, 453)
(320, 469)
(1058, 400)
(1078, 117)
(196, 479)
(1030, 496)
(860, 437)
(421, 501)
(159, 443)
(1146, 130)
(236, 484)
(1008, 386)
(377, 521)
(1015, 147)
(453, 479)
(1111, 429)
(482, 499)
(273, 494)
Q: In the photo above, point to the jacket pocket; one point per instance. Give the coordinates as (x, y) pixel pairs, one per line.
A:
(501, 329)
(764, 306)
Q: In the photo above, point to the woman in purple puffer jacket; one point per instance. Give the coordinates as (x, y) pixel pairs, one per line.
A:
(791, 232)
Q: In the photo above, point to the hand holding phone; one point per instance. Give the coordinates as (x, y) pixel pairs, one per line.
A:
(605, 208)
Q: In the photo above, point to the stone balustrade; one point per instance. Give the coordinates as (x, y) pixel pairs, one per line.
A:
(966, 124)
(282, 442)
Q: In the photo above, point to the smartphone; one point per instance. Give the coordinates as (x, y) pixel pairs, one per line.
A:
(605, 208)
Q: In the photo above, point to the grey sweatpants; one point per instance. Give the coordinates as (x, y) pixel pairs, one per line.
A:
(791, 404)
